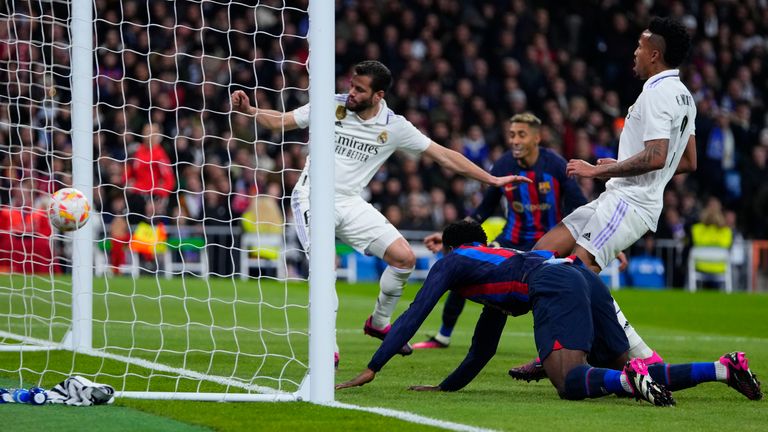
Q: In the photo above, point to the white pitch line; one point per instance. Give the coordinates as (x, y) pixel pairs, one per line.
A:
(410, 417)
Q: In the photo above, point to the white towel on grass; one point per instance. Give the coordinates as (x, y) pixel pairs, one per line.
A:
(79, 391)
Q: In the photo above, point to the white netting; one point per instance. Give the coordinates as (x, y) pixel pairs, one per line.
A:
(199, 283)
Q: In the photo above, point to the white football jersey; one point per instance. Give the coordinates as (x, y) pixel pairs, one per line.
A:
(665, 109)
(362, 146)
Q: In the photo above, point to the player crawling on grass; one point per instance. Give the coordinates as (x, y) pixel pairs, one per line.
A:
(582, 346)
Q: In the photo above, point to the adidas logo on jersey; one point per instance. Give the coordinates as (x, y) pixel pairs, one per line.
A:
(587, 236)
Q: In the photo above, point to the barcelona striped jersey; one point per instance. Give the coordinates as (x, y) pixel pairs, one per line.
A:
(494, 277)
(532, 208)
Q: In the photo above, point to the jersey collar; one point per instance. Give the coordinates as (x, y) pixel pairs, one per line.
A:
(654, 80)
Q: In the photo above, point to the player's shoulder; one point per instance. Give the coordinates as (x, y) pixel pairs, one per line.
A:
(552, 160)
(665, 85)
(390, 118)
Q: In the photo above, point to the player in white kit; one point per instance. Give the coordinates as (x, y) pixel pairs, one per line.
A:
(656, 143)
(367, 132)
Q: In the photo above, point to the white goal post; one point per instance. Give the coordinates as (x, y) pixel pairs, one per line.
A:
(195, 289)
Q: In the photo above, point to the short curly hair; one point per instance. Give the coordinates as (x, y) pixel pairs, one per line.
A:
(381, 77)
(677, 41)
(463, 232)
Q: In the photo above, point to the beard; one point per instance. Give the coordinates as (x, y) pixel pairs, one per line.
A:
(360, 106)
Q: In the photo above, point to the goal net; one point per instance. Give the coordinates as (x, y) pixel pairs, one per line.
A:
(188, 281)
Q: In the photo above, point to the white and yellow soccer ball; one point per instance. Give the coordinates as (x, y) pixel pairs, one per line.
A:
(69, 209)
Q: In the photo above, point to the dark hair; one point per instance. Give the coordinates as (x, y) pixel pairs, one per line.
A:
(381, 77)
(677, 41)
(462, 232)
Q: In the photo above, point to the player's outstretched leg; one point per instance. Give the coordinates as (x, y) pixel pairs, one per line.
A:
(731, 368)
(531, 371)
(643, 386)
(381, 333)
(740, 377)
(584, 381)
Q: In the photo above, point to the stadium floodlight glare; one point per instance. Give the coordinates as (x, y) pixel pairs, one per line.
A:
(199, 306)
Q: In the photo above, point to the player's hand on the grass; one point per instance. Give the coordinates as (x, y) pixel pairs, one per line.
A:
(501, 181)
(623, 262)
(365, 377)
(581, 168)
(434, 242)
(425, 388)
(240, 102)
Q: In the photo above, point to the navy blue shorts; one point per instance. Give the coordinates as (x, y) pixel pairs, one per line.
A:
(573, 309)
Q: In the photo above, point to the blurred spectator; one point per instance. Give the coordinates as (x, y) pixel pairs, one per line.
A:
(738, 251)
(754, 180)
(118, 240)
(719, 155)
(711, 231)
(149, 178)
(418, 215)
(474, 146)
(264, 214)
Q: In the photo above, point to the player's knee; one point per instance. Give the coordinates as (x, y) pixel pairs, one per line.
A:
(559, 384)
(404, 260)
(566, 394)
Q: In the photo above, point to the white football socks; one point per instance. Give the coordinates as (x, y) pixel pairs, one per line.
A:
(391, 287)
(637, 346)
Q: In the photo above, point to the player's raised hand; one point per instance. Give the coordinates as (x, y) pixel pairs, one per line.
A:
(240, 102)
(365, 377)
(434, 242)
(425, 388)
(581, 168)
(501, 181)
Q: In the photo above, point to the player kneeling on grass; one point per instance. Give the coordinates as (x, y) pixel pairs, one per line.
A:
(581, 344)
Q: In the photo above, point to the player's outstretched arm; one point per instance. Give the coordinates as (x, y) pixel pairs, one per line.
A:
(270, 119)
(653, 157)
(457, 163)
(363, 378)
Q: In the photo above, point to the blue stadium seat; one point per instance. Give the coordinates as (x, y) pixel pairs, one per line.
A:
(367, 267)
(646, 271)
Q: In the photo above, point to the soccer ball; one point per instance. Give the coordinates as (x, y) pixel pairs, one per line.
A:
(69, 209)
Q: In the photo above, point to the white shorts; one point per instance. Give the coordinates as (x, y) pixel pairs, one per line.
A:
(357, 222)
(605, 227)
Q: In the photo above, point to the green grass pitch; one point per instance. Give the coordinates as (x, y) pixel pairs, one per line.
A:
(682, 327)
